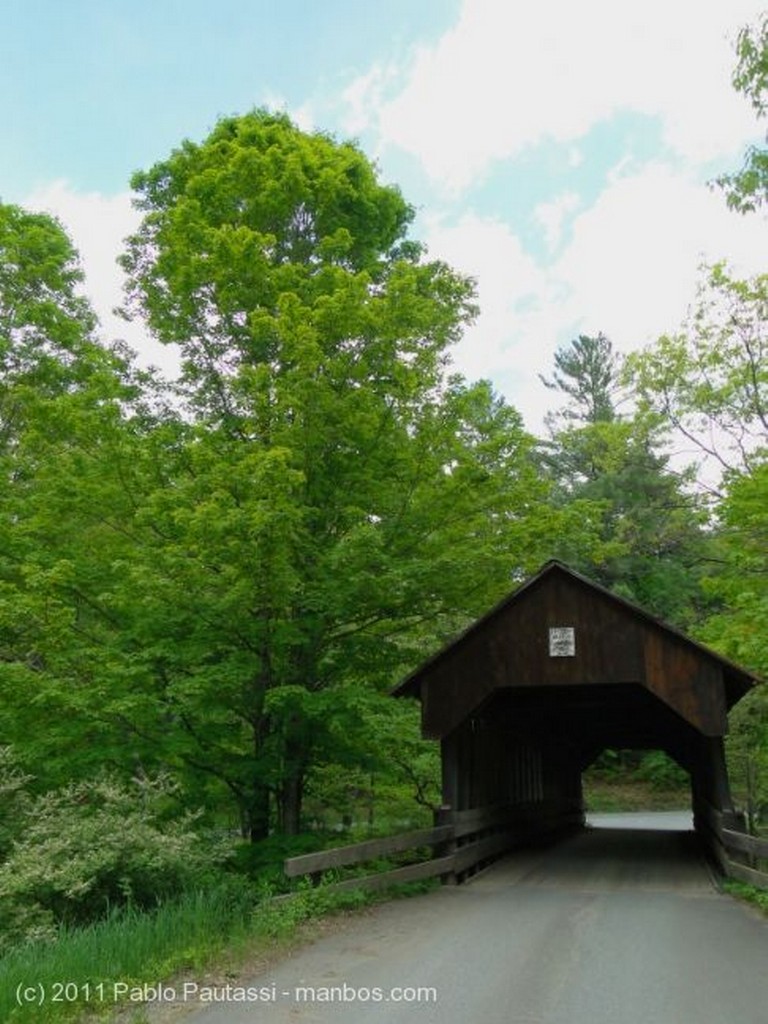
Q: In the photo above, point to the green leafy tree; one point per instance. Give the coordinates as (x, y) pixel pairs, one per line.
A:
(710, 381)
(747, 753)
(391, 779)
(61, 393)
(45, 326)
(333, 496)
(738, 630)
(249, 618)
(231, 575)
(741, 585)
(747, 190)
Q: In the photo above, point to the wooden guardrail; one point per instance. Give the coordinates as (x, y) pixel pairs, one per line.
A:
(461, 842)
(738, 854)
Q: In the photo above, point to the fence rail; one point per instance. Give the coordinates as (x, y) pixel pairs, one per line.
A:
(461, 842)
(738, 854)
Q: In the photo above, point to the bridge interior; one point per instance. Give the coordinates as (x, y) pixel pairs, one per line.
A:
(533, 744)
(654, 852)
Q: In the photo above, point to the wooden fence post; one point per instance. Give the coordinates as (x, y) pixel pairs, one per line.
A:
(444, 816)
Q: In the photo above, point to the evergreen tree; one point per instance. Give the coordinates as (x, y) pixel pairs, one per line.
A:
(651, 539)
(588, 372)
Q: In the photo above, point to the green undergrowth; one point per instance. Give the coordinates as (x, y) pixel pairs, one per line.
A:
(602, 796)
(188, 936)
(748, 893)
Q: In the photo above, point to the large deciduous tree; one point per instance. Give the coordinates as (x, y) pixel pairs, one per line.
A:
(265, 252)
(63, 405)
(45, 326)
(334, 489)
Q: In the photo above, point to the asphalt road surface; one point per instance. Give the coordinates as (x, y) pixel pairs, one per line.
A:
(618, 925)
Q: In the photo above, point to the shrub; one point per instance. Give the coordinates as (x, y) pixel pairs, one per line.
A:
(661, 771)
(93, 847)
(14, 801)
(262, 862)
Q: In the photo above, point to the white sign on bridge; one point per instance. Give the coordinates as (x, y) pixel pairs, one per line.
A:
(562, 642)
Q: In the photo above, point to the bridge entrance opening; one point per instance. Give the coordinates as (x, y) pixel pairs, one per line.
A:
(627, 780)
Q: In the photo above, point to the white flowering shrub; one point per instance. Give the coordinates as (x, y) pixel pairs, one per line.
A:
(93, 847)
(14, 800)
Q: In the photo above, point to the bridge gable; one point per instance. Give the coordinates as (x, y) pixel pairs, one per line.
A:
(561, 630)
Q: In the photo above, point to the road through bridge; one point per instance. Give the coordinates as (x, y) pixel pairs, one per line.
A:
(574, 922)
(612, 925)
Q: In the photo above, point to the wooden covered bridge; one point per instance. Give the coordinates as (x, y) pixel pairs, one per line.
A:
(562, 669)
(533, 692)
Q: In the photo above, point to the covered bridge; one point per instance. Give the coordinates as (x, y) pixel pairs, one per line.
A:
(529, 696)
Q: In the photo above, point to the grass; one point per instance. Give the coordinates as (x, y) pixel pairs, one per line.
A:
(82, 973)
(748, 893)
(633, 795)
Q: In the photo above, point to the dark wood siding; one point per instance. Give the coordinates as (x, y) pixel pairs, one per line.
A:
(608, 643)
(519, 720)
(614, 644)
(690, 684)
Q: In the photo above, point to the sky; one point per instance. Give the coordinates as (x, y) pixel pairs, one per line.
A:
(557, 152)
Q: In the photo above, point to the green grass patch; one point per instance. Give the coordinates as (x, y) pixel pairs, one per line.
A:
(634, 795)
(82, 971)
(128, 947)
(748, 893)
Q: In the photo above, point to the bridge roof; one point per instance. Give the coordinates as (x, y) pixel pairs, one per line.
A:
(560, 629)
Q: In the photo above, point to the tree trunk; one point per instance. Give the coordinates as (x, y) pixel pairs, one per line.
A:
(256, 814)
(291, 796)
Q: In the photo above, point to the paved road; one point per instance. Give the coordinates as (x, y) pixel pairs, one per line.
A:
(619, 925)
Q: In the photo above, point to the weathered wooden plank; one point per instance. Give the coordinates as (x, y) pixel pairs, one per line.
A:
(468, 856)
(749, 875)
(467, 823)
(478, 818)
(717, 851)
(745, 843)
(714, 817)
(357, 853)
(398, 876)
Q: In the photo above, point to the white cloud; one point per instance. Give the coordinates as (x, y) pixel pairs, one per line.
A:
(505, 77)
(632, 264)
(508, 281)
(365, 95)
(303, 116)
(98, 225)
(630, 269)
